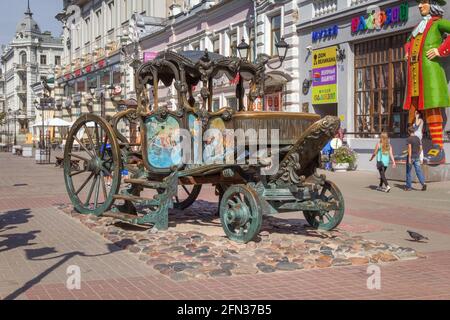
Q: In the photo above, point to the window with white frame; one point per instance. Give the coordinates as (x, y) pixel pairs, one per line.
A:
(275, 33)
(216, 105)
(99, 22)
(110, 23)
(87, 30)
(123, 10)
(251, 42)
(232, 102)
(233, 43)
(216, 45)
(141, 7)
(78, 34)
(196, 46)
(129, 10)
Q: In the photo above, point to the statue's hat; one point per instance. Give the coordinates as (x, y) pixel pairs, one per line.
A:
(439, 2)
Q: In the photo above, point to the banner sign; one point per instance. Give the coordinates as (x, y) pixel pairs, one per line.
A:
(150, 55)
(324, 72)
(377, 19)
(325, 33)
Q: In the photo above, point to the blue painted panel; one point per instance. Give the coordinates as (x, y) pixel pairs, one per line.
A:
(162, 141)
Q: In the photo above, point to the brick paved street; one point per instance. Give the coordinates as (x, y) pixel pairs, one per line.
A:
(38, 244)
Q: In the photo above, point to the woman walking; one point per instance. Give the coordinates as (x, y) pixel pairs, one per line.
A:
(384, 154)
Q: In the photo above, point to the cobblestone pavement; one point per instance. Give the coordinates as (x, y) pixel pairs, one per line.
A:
(282, 245)
(38, 242)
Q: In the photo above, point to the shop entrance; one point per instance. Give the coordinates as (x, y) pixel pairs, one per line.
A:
(380, 80)
(326, 109)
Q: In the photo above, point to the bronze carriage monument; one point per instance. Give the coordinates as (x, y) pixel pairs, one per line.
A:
(246, 195)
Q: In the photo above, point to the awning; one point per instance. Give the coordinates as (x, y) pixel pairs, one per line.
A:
(55, 122)
(90, 124)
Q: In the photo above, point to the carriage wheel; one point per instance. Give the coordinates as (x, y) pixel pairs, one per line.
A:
(327, 220)
(88, 188)
(240, 213)
(186, 196)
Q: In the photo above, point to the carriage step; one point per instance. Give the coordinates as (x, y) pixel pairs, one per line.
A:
(149, 202)
(146, 183)
(127, 198)
(120, 216)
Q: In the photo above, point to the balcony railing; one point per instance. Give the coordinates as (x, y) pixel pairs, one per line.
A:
(93, 51)
(324, 7)
(20, 67)
(352, 3)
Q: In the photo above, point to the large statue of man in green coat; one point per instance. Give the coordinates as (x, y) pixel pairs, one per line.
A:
(427, 86)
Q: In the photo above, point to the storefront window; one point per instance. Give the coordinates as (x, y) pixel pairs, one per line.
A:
(380, 86)
(92, 81)
(117, 76)
(81, 85)
(69, 89)
(105, 78)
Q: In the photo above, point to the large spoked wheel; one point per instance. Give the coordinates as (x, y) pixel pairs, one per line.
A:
(327, 220)
(91, 188)
(240, 213)
(187, 195)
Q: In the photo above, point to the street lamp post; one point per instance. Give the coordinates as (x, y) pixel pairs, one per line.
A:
(15, 128)
(46, 103)
(9, 134)
(263, 59)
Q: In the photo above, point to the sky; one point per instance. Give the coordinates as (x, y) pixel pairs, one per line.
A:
(44, 12)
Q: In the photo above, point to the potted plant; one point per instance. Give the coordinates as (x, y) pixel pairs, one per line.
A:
(343, 158)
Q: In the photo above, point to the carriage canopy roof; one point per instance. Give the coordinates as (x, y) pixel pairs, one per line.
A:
(194, 63)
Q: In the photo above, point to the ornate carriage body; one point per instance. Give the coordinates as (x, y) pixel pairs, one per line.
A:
(274, 173)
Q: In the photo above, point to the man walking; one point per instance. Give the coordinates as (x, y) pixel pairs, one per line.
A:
(414, 151)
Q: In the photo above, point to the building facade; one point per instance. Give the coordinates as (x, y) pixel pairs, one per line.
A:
(30, 57)
(96, 34)
(369, 64)
(219, 26)
(3, 115)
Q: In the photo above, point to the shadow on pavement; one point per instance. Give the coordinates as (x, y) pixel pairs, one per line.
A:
(17, 240)
(35, 254)
(271, 224)
(10, 219)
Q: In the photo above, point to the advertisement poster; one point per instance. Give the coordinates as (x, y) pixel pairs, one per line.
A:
(324, 72)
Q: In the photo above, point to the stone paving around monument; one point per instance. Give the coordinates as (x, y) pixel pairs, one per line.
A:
(282, 246)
